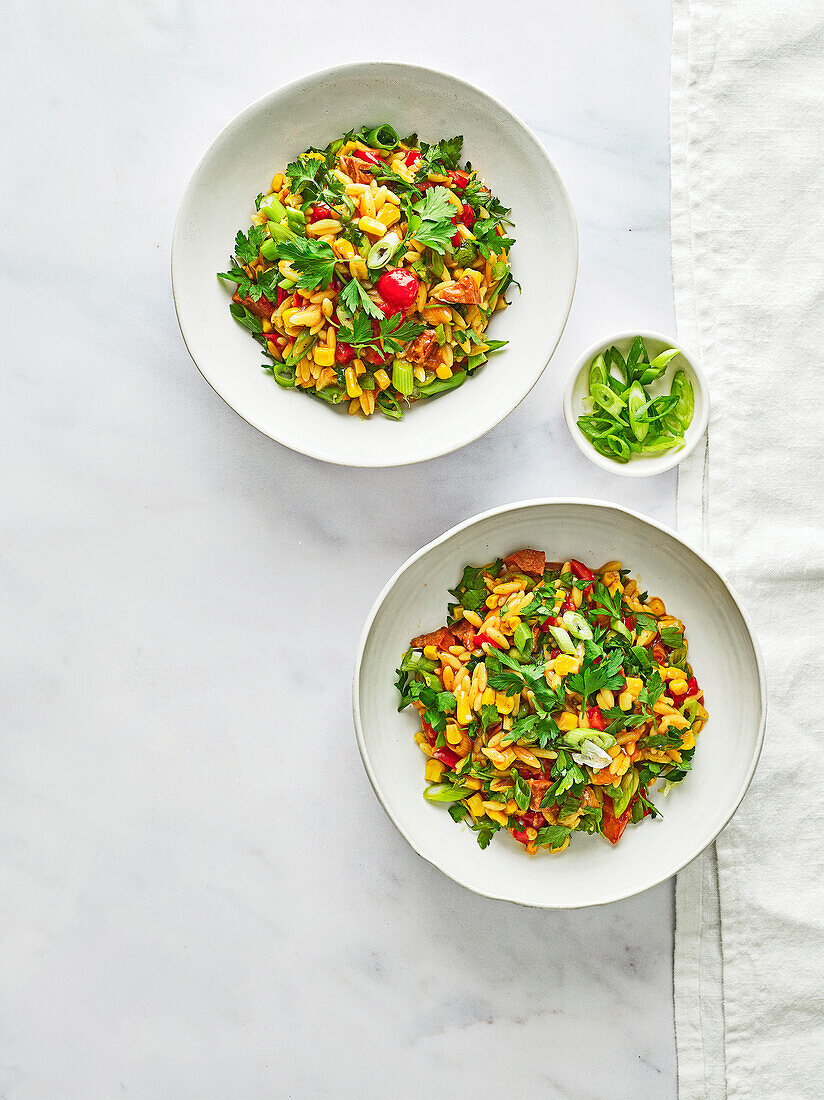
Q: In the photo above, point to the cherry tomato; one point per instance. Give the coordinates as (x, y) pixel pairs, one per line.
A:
(578, 569)
(458, 179)
(344, 353)
(595, 718)
(369, 155)
(614, 826)
(411, 157)
(446, 756)
(468, 216)
(455, 241)
(398, 287)
(319, 212)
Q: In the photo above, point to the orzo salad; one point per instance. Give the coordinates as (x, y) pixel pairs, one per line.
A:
(552, 701)
(371, 271)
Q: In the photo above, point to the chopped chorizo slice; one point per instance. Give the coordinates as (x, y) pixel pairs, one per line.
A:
(464, 292)
(423, 348)
(357, 170)
(262, 308)
(464, 632)
(441, 639)
(528, 561)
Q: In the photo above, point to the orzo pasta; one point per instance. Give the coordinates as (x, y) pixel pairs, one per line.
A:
(371, 271)
(552, 701)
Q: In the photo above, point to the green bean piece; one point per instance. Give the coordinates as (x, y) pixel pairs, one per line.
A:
(685, 405)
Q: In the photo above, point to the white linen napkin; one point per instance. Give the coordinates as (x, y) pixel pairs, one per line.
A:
(748, 262)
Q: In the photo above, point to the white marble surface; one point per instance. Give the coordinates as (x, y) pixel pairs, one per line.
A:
(190, 906)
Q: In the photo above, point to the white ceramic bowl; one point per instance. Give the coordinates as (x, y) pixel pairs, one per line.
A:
(577, 388)
(723, 652)
(241, 161)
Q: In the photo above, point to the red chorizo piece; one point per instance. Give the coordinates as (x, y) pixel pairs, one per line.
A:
(464, 632)
(441, 639)
(357, 170)
(464, 292)
(262, 308)
(423, 348)
(527, 561)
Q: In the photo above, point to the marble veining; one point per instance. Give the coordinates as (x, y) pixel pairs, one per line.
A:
(186, 913)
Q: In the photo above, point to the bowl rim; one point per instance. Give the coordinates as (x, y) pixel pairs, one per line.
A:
(641, 467)
(314, 449)
(618, 895)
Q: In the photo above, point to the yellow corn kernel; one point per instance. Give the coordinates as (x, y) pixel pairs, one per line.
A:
(358, 367)
(389, 214)
(625, 701)
(324, 357)
(371, 226)
(453, 734)
(277, 181)
(671, 673)
(352, 387)
(688, 741)
(346, 250)
(678, 687)
(504, 703)
(434, 770)
(431, 653)
(476, 805)
(565, 664)
(463, 713)
(605, 699)
(567, 721)
(633, 685)
(443, 372)
(382, 379)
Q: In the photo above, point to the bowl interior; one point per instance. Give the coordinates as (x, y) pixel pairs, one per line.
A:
(262, 140)
(722, 652)
(639, 465)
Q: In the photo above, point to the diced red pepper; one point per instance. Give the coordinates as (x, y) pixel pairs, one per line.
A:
(521, 837)
(595, 718)
(629, 622)
(429, 733)
(578, 569)
(411, 157)
(568, 605)
(613, 826)
(468, 216)
(587, 592)
(319, 212)
(550, 620)
(344, 353)
(692, 687)
(455, 240)
(457, 178)
(484, 637)
(368, 155)
(446, 756)
(533, 819)
(282, 296)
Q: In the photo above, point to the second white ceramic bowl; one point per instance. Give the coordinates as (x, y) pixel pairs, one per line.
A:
(723, 652)
(262, 140)
(577, 388)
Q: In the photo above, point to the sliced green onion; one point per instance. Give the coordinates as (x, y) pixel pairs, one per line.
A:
(446, 792)
(382, 251)
(380, 137)
(389, 405)
(607, 399)
(685, 405)
(597, 372)
(523, 638)
(619, 628)
(295, 219)
(577, 625)
(563, 640)
(636, 400)
(273, 208)
(402, 377)
(284, 375)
